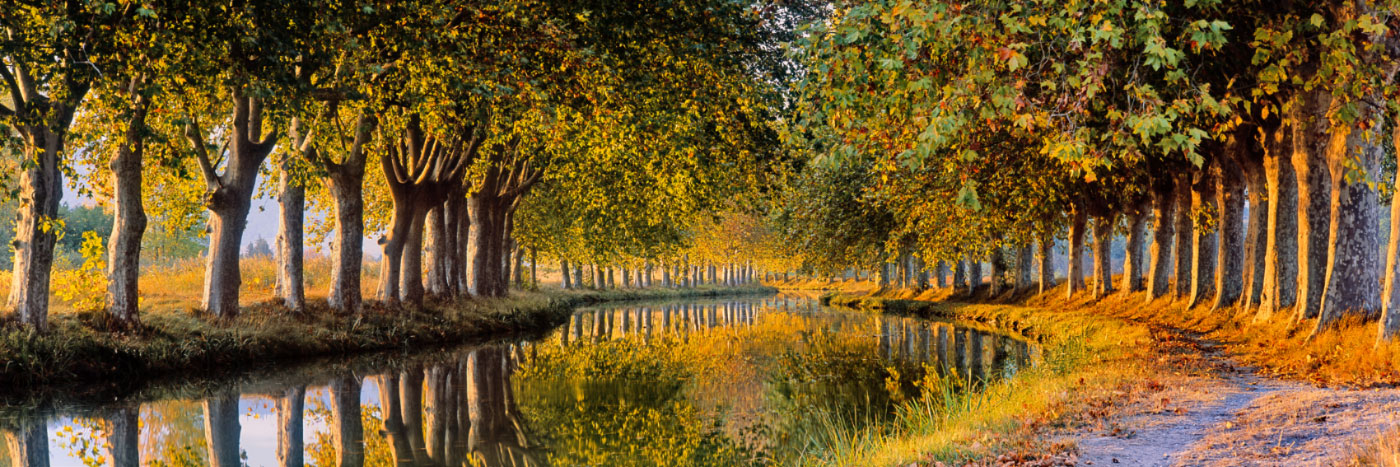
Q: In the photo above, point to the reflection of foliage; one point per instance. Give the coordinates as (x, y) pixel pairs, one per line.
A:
(833, 377)
(619, 403)
(172, 433)
(322, 450)
(87, 443)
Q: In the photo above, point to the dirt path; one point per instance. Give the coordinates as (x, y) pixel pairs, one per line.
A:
(1227, 416)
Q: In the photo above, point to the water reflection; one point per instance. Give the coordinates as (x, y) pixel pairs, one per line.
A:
(684, 383)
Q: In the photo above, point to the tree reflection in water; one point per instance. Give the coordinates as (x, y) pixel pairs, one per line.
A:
(707, 383)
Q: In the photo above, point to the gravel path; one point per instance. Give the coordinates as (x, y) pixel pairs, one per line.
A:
(1235, 418)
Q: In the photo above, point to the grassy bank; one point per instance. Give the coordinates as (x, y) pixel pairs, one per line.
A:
(1089, 363)
(80, 348)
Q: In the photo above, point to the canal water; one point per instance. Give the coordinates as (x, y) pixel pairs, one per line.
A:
(746, 381)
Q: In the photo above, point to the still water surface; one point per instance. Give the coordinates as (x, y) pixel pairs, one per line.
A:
(708, 382)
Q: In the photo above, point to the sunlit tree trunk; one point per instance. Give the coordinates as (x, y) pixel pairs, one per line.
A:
(345, 182)
(129, 215)
(291, 201)
(1390, 294)
(1203, 260)
(229, 199)
(439, 250)
(1311, 131)
(1280, 284)
(1353, 265)
(1256, 236)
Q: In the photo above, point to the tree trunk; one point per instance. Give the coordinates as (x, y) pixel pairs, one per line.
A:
(460, 266)
(41, 189)
(940, 269)
(1311, 131)
(1076, 251)
(1163, 223)
(612, 283)
(518, 268)
(487, 245)
(1280, 284)
(1256, 236)
(347, 429)
(1203, 260)
(291, 200)
(974, 274)
(1353, 283)
(1185, 236)
(290, 447)
(439, 250)
(128, 223)
(565, 280)
(1103, 253)
(998, 262)
(411, 271)
(400, 451)
(1390, 295)
(221, 430)
(392, 260)
(1133, 246)
(1229, 277)
(1025, 268)
(345, 181)
(229, 199)
(1046, 257)
(411, 395)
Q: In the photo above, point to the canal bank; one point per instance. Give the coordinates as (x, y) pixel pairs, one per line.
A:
(80, 355)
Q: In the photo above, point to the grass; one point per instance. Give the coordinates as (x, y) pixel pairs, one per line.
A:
(1101, 351)
(175, 337)
(1090, 362)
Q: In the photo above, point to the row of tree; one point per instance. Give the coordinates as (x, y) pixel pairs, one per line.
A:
(626, 122)
(1239, 147)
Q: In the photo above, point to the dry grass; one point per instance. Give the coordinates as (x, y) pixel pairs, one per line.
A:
(1383, 451)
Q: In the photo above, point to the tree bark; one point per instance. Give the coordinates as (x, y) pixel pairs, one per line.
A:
(1076, 250)
(1256, 237)
(1134, 246)
(345, 181)
(229, 198)
(1229, 197)
(1046, 257)
(960, 277)
(1353, 268)
(1280, 284)
(1390, 295)
(974, 274)
(411, 270)
(1103, 253)
(1203, 261)
(439, 251)
(1185, 236)
(129, 218)
(998, 262)
(1163, 231)
(1311, 131)
(940, 269)
(290, 447)
(291, 199)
